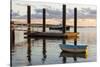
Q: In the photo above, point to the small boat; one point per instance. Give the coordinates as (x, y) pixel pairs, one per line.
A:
(73, 48)
(59, 27)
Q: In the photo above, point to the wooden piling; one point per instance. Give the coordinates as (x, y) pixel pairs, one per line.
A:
(12, 35)
(64, 18)
(75, 20)
(28, 32)
(44, 19)
(12, 40)
(75, 24)
(29, 18)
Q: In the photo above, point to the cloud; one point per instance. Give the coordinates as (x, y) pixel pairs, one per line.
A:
(57, 14)
(14, 14)
(87, 13)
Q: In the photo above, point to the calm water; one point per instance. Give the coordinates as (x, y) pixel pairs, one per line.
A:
(47, 51)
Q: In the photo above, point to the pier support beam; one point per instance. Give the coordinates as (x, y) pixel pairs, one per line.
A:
(12, 40)
(12, 35)
(44, 19)
(75, 20)
(29, 18)
(75, 24)
(64, 19)
(28, 32)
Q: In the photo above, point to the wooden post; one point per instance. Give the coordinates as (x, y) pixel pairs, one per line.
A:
(12, 40)
(75, 20)
(44, 20)
(29, 18)
(12, 35)
(28, 33)
(64, 19)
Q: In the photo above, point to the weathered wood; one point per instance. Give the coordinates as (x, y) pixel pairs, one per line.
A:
(29, 31)
(12, 35)
(71, 34)
(75, 19)
(64, 19)
(29, 18)
(52, 34)
(44, 20)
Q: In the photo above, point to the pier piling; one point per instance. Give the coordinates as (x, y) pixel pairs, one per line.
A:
(64, 18)
(75, 24)
(29, 18)
(29, 31)
(12, 35)
(44, 19)
(75, 20)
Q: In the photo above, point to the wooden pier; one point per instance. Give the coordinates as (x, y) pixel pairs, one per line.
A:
(64, 34)
(52, 34)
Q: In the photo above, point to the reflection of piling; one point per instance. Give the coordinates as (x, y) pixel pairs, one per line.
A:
(44, 21)
(44, 50)
(63, 41)
(75, 42)
(64, 18)
(75, 20)
(29, 52)
(28, 32)
(64, 59)
(75, 59)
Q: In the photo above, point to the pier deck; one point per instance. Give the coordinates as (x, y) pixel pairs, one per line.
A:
(52, 34)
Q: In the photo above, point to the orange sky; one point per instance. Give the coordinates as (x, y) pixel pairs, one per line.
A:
(81, 22)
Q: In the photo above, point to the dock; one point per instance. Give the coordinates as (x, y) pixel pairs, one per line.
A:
(44, 34)
(52, 34)
(63, 34)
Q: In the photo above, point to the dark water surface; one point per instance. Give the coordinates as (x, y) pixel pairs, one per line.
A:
(47, 51)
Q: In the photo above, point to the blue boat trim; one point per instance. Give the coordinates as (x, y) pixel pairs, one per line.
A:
(73, 46)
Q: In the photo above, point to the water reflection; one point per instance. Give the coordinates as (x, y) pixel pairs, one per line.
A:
(54, 51)
(63, 54)
(29, 51)
(64, 58)
(44, 51)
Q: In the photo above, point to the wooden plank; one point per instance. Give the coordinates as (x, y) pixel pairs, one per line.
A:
(71, 34)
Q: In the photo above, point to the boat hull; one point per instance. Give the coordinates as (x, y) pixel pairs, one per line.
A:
(72, 48)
